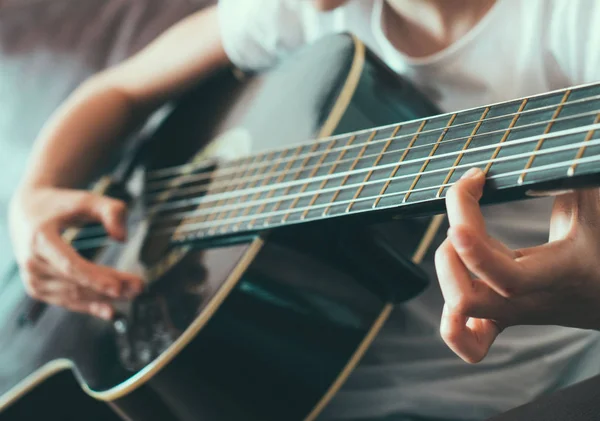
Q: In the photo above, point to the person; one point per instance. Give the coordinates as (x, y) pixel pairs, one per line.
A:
(523, 307)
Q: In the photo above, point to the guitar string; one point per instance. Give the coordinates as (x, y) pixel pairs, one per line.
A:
(243, 205)
(214, 196)
(205, 200)
(479, 109)
(196, 188)
(570, 147)
(234, 166)
(97, 242)
(199, 225)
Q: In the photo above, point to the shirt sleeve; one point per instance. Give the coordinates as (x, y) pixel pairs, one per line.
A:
(574, 38)
(257, 33)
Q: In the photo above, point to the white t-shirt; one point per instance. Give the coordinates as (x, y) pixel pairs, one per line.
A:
(520, 48)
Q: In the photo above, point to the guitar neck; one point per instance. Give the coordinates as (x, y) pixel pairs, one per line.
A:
(537, 143)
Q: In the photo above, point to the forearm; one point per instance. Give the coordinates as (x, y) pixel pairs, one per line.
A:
(89, 127)
(79, 138)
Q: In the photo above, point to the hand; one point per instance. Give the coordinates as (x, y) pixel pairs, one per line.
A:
(52, 270)
(557, 283)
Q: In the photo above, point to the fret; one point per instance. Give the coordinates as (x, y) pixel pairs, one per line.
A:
(217, 216)
(330, 172)
(465, 147)
(360, 154)
(208, 204)
(261, 171)
(505, 136)
(538, 146)
(264, 182)
(435, 147)
(397, 167)
(377, 160)
(295, 177)
(305, 185)
(581, 151)
(277, 180)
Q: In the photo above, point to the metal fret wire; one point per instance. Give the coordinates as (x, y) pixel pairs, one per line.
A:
(271, 188)
(228, 180)
(397, 167)
(400, 177)
(271, 191)
(508, 132)
(95, 242)
(428, 159)
(265, 181)
(298, 172)
(581, 150)
(494, 177)
(465, 147)
(236, 188)
(541, 141)
(234, 164)
(370, 173)
(358, 157)
(330, 172)
(248, 205)
(312, 173)
(253, 184)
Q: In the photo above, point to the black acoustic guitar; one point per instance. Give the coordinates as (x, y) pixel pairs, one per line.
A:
(267, 278)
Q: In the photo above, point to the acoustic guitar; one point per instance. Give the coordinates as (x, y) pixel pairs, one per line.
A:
(268, 271)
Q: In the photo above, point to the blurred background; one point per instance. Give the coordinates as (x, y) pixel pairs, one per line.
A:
(48, 47)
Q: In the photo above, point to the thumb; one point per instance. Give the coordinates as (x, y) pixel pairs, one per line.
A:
(542, 265)
(106, 210)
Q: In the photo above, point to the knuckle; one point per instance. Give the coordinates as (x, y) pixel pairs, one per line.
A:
(476, 260)
(461, 303)
(82, 200)
(70, 268)
(115, 209)
(441, 254)
(29, 265)
(448, 334)
(74, 294)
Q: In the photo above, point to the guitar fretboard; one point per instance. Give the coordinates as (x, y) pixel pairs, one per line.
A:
(522, 142)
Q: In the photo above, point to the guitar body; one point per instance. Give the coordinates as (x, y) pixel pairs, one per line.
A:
(255, 328)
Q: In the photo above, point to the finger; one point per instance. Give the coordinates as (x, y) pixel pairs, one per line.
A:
(542, 265)
(462, 294)
(76, 298)
(581, 206)
(469, 338)
(487, 261)
(462, 201)
(131, 285)
(70, 265)
(110, 212)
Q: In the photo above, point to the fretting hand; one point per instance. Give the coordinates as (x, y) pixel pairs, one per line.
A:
(488, 287)
(52, 270)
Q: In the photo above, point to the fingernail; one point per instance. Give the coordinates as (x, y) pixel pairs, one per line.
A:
(105, 312)
(101, 310)
(472, 173)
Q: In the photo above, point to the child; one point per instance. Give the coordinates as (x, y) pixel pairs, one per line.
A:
(462, 53)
